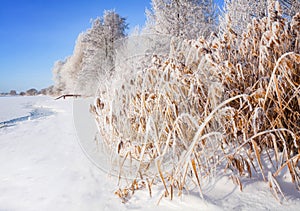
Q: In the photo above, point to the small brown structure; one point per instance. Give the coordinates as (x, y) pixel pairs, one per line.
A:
(68, 95)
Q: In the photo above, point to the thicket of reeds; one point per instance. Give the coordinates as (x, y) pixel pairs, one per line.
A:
(230, 104)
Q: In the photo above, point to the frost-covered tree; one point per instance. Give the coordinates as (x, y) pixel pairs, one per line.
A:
(58, 78)
(102, 36)
(93, 56)
(65, 73)
(182, 18)
(239, 13)
(100, 52)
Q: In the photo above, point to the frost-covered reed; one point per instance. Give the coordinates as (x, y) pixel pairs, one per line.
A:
(230, 102)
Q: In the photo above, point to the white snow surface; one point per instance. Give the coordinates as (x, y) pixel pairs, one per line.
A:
(43, 167)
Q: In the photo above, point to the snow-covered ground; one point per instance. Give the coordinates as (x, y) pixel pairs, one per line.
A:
(43, 167)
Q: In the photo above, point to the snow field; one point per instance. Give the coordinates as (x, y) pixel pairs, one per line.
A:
(42, 167)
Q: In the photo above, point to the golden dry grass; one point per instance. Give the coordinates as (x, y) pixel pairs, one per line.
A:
(231, 103)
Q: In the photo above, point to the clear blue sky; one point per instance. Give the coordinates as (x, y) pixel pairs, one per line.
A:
(36, 33)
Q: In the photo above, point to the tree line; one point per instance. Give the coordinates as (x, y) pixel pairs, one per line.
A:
(97, 50)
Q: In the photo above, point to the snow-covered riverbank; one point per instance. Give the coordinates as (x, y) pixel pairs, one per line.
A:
(42, 167)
